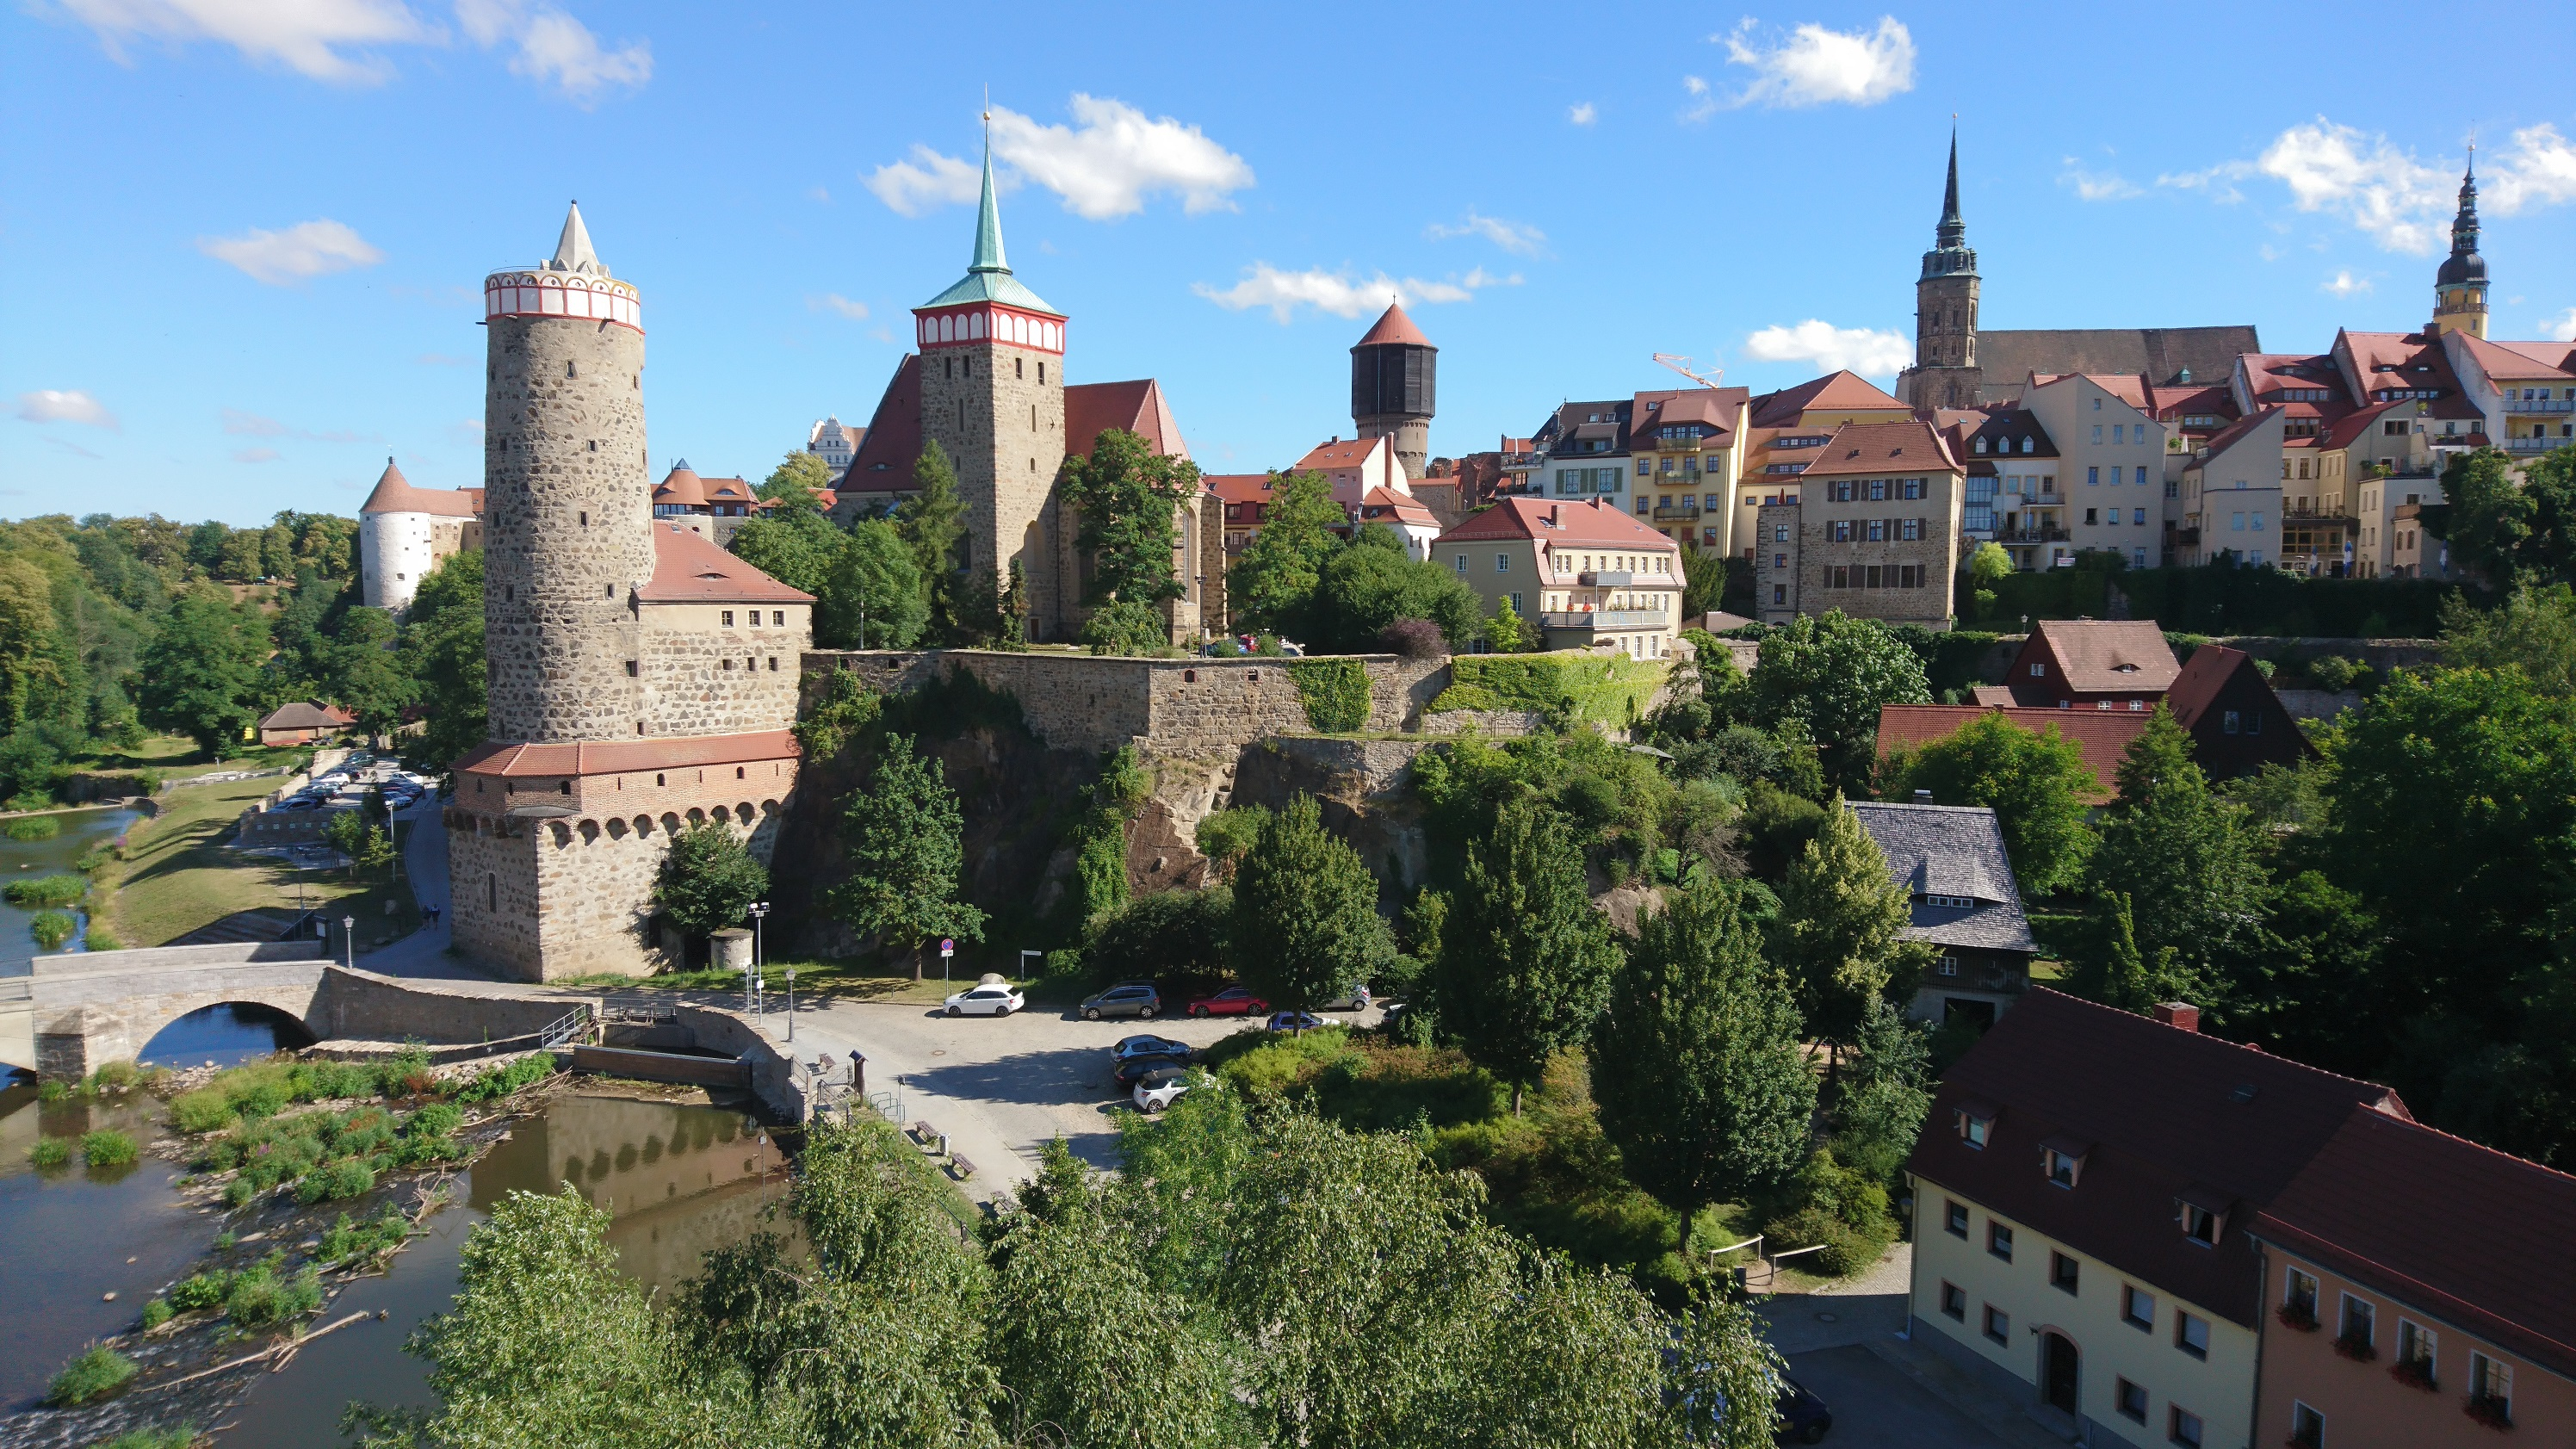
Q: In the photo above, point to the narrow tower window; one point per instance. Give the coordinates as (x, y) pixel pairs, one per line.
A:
(1041, 372)
(585, 521)
(568, 372)
(1019, 367)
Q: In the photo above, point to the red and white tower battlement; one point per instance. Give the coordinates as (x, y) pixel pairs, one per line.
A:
(574, 284)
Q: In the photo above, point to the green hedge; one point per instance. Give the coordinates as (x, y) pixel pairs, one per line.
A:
(1336, 692)
(2225, 599)
(1568, 686)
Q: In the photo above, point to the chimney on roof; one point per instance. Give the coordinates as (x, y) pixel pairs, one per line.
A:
(1922, 797)
(1556, 514)
(2181, 1015)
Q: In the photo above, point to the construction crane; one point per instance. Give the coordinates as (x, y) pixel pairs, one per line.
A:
(1679, 363)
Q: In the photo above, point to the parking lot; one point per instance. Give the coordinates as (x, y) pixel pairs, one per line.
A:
(1031, 1077)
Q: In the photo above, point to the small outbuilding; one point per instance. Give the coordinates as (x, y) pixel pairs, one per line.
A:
(303, 722)
(1965, 903)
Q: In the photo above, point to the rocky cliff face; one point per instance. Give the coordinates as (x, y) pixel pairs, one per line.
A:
(1364, 788)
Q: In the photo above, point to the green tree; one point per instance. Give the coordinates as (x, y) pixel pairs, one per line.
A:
(200, 675)
(1169, 933)
(2115, 973)
(1989, 565)
(1306, 926)
(1698, 1072)
(27, 637)
(1126, 492)
(791, 486)
(2036, 783)
(2185, 858)
(1840, 933)
(1525, 961)
(1882, 1093)
(1830, 673)
(905, 855)
(1703, 580)
(932, 522)
(874, 596)
(707, 879)
(2512, 530)
(442, 652)
(2533, 630)
(1124, 626)
(1224, 835)
(796, 546)
(1507, 632)
(366, 675)
(1271, 581)
(1371, 584)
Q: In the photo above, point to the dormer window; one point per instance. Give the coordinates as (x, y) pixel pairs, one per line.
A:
(2063, 1160)
(2201, 1214)
(1975, 1125)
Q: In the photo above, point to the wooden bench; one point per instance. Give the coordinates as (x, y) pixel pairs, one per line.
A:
(923, 1133)
(958, 1164)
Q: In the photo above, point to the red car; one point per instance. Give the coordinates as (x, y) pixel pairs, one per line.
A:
(1232, 1001)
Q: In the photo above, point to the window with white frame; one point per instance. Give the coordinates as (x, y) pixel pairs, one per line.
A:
(2307, 1427)
(2418, 1345)
(2358, 1324)
(2491, 1384)
(1502, 563)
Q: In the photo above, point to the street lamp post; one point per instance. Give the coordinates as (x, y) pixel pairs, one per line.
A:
(759, 911)
(791, 1003)
(349, 941)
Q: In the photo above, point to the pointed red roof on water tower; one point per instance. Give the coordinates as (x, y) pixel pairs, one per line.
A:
(1394, 326)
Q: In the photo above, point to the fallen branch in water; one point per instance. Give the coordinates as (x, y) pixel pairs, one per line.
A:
(288, 1347)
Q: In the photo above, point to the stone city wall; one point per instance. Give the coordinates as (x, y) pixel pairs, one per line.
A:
(703, 675)
(679, 792)
(572, 895)
(368, 1007)
(1091, 703)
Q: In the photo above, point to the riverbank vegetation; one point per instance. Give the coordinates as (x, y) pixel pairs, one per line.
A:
(1244, 1280)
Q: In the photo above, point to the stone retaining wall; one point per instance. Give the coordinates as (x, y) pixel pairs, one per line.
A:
(1091, 703)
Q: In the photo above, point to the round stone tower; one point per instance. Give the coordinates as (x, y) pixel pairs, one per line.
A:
(1395, 375)
(567, 497)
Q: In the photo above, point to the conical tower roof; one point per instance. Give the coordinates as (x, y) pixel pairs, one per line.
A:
(988, 275)
(1394, 326)
(2464, 264)
(1950, 255)
(573, 252)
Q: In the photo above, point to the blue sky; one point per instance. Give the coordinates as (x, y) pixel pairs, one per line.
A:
(242, 241)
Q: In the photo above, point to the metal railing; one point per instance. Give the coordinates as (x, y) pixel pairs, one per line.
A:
(2537, 445)
(2043, 534)
(564, 1028)
(1676, 513)
(2539, 405)
(1606, 619)
(1605, 580)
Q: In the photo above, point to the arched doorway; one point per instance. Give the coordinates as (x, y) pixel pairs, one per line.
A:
(2060, 1371)
(224, 1034)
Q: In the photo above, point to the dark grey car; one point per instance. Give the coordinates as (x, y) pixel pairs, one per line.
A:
(1131, 998)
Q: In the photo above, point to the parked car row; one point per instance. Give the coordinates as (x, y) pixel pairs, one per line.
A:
(1144, 1001)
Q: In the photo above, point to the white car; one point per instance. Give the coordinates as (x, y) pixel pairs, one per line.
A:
(991, 1000)
(1161, 1087)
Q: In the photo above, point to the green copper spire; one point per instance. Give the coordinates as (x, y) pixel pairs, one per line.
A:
(988, 219)
(988, 277)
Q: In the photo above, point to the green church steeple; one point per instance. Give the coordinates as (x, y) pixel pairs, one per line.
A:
(988, 220)
(988, 276)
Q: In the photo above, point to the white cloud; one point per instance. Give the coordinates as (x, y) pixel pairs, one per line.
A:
(1706, 104)
(1104, 166)
(251, 425)
(1867, 351)
(306, 249)
(2539, 169)
(835, 302)
(1118, 157)
(2344, 284)
(255, 455)
(1581, 113)
(1817, 66)
(2563, 326)
(2383, 191)
(312, 37)
(909, 188)
(1511, 236)
(818, 193)
(555, 48)
(48, 405)
(2097, 185)
(1340, 293)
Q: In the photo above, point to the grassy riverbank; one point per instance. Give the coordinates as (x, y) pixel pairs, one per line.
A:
(179, 873)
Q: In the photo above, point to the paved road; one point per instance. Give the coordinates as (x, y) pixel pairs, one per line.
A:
(1876, 1406)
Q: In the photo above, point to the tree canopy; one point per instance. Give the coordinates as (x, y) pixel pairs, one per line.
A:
(905, 856)
(1840, 933)
(1270, 581)
(1305, 927)
(2510, 529)
(1126, 493)
(201, 675)
(2036, 783)
(442, 650)
(1830, 673)
(707, 879)
(1525, 961)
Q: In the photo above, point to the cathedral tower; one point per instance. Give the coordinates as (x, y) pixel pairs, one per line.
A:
(992, 397)
(2460, 288)
(1394, 381)
(1945, 373)
(567, 498)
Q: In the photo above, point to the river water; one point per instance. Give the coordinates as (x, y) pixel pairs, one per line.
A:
(30, 858)
(679, 1178)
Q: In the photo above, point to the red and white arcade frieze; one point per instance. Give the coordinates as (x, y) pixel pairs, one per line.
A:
(561, 294)
(956, 326)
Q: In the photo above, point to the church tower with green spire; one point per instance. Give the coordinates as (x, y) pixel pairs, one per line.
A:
(992, 397)
(1945, 373)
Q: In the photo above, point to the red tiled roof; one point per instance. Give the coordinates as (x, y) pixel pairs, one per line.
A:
(688, 569)
(1382, 500)
(1393, 326)
(1862, 448)
(1239, 487)
(2198, 683)
(2551, 354)
(2234, 433)
(1586, 523)
(1339, 453)
(2523, 360)
(1715, 407)
(1782, 409)
(2162, 1111)
(2103, 735)
(1092, 408)
(2128, 387)
(2108, 655)
(628, 756)
(394, 494)
(2459, 1231)
(884, 461)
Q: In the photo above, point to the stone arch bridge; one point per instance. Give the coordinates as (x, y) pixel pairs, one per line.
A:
(79, 1011)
